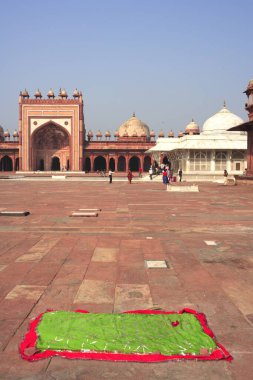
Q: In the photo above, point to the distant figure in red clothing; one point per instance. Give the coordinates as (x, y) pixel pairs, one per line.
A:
(140, 171)
(129, 176)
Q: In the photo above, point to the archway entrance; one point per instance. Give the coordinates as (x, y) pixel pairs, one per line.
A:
(134, 164)
(42, 165)
(50, 141)
(112, 164)
(87, 165)
(6, 164)
(99, 164)
(121, 164)
(55, 166)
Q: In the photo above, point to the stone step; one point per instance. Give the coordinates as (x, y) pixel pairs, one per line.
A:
(14, 213)
(84, 214)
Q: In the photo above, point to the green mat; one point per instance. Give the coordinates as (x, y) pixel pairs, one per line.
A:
(166, 334)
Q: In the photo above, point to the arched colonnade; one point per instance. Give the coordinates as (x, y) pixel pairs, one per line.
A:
(9, 163)
(120, 163)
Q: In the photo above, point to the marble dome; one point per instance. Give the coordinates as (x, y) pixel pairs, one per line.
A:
(134, 127)
(221, 122)
(192, 127)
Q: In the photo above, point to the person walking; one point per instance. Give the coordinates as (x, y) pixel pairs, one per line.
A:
(225, 177)
(165, 177)
(110, 176)
(180, 174)
(129, 176)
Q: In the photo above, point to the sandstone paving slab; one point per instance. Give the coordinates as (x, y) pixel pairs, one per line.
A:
(241, 295)
(95, 291)
(28, 292)
(16, 308)
(20, 369)
(41, 249)
(70, 274)
(238, 340)
(95, 307)
(222, 313)
(102, 271)
(56, 297)
(128, 275)
(41, 274)
(2, 267)
(132, 297)
(105, 254)
(242, 366)
(7, 329)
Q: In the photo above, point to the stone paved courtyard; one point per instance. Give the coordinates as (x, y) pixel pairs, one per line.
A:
(51, 260)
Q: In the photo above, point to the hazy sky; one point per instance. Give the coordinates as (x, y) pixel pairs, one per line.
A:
(167, 60)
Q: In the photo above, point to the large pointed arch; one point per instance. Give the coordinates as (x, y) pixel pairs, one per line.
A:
(48, 141)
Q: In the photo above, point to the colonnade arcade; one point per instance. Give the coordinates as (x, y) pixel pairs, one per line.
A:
(9, 162)
(116, 163)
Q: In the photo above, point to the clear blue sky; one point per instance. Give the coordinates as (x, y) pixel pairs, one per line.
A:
(167, 60)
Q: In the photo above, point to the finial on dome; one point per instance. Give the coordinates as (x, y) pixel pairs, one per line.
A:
(224, 104)
(133, 114)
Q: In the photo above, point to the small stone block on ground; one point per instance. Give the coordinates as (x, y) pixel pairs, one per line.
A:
(156, 264)
(58, 177)
(14, 213)
(84, 214)
(183, 189)
(89, 209)
(210, 242)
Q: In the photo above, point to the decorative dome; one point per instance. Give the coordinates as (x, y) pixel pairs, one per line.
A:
(152, 134)
(134, 125)
(116, 134)
(171, 134)
(192, 128)
(125, 134)
(38, 94)
(99, 134)
(76, 93)
(15, 133)
(221, 122)
(50, 93)
(161, 134)
(180, 134)
(107, 134)
(25, 93)
(7, 133)
(64, 93)
(134, 134)
(90, 133)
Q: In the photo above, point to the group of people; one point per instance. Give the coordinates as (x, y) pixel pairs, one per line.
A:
(167, 175)
(129, 176)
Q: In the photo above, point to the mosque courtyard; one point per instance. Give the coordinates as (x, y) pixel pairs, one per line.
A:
(49, 260)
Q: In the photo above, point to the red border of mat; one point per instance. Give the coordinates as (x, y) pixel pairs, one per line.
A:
(30, 339)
